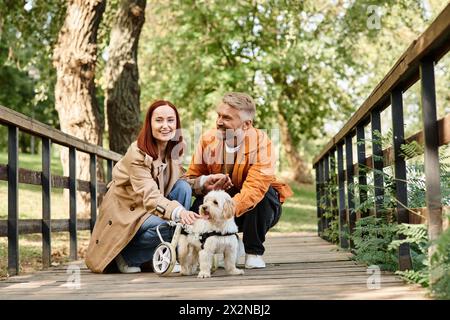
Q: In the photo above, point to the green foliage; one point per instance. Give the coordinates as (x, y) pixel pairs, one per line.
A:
(412, 149)
(332, 233)
(297, 58)
(28, 30)
(417, 238)
(440, 266)
(372, 237)
(329, 205)
(377, 240)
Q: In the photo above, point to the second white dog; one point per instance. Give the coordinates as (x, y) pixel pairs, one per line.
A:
(206, 237)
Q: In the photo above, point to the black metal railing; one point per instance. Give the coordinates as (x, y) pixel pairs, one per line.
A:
(13, 226)
(416, 63)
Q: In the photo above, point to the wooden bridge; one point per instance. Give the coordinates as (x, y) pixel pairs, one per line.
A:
(300, 266)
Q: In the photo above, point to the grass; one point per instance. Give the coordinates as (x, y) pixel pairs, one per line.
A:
(299, 212)
(33, 161)
(298, 215)
(30, 251)
(30, 198)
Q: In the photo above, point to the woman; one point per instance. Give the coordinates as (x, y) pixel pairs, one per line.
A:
(145, 192)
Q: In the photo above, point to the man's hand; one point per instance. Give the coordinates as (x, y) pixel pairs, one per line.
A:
(217, 181)
(188, 217)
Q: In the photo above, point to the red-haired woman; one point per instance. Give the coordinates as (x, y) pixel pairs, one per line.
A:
(145, 192)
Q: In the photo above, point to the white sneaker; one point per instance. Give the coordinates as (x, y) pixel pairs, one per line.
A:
(241, 249)
(219, 259)
(123, 266)
(176, 268)
(253, 261)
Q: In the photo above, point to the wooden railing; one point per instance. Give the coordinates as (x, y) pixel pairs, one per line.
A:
(13, 226)
(416, 63)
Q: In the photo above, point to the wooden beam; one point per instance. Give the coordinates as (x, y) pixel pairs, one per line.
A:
(388, 154)
(30, 226)
(36, 128)
(34, 178)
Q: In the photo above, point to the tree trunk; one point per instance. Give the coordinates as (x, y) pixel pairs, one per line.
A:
(74, 58)
(300, 169)
(122, 76)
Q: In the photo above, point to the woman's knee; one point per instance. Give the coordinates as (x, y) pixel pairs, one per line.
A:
(184, 188)
(183, 185)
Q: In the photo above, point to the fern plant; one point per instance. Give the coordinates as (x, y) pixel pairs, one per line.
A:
(416, 236)
(377, 240)
(440, 266)
(328, 204)
(372, 237)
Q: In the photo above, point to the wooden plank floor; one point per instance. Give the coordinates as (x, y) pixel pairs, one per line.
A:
(299, 266)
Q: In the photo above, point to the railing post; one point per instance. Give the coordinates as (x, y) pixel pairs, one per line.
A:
(431, 135)
(73, 203)
(377, 162)
(93, 188)
(350, 188)
(362, 175)
(333, 177)
(400, 174)
(327, 191)
(13, 194)
(46, 201)
(319, 218)
(342, 213)
(109, 170)
(320, 197)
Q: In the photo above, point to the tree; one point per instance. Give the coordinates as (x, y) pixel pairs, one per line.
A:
(74, 58)
(122, 90)
(26, 74)
(289, 55)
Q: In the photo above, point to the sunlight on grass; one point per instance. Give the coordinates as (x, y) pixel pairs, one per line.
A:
(30, 196)
(34, 161)
(299, 212)
(30, 202)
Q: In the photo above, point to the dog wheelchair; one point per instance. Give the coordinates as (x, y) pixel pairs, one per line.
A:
(165, 256)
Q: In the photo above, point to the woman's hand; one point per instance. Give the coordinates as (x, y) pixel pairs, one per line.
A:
(188, 217)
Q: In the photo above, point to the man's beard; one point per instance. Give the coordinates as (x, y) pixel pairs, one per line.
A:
(232, 136)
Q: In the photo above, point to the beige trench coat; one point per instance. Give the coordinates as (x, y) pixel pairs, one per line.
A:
(136, 191)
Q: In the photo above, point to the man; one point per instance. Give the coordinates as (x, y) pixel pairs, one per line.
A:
(238, 158)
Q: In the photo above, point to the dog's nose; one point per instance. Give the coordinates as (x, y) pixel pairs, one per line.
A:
(204, 207)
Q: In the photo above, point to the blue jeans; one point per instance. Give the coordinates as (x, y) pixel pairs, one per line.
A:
(141, 248)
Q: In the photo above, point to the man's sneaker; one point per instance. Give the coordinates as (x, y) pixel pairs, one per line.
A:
(123, 266)
(176, 268)
(253, 261)
(218, 261)
(241, 249)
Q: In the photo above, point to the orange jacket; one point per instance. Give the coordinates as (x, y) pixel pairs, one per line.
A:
(253, 170)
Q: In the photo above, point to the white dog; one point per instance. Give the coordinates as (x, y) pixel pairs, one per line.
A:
(216, 233)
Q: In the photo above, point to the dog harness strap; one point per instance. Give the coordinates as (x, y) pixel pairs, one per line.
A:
(205, 236)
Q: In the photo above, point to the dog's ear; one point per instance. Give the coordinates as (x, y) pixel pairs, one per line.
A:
(228, 209)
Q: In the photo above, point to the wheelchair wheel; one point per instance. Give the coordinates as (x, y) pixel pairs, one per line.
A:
(164, 259)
